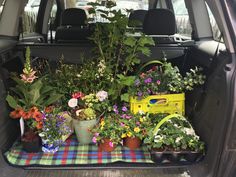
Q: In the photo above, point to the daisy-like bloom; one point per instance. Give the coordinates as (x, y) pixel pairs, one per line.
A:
(111, 144)
(16, 113)
(129, 134)
(38, 116)
(136, 129)
(27, 115)
(73, 102)
(102, 95)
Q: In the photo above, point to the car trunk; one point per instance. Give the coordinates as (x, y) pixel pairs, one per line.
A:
(208, 107)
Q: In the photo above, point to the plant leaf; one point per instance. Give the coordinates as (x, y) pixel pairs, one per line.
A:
(11, 101)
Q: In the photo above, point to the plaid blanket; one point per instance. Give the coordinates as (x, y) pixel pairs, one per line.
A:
(72, 153)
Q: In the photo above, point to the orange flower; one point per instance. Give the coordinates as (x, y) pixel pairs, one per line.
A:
(49, 109)
(26, 115)
(16, 113)
(38, 116)
(39, 125)
(33, 110)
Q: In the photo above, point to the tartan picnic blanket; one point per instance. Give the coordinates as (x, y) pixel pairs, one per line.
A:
(72, 153)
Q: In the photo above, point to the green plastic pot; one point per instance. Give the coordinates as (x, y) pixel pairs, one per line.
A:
(82, 132)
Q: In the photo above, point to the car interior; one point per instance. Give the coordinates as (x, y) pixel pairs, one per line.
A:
(187, 39)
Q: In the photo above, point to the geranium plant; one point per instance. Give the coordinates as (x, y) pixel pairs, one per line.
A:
(165, 79)
(87, 107)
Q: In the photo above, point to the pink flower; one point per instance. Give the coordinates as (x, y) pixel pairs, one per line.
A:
(128, 117)
(122, 124)
(102, 95)
(77, 95)
(28, 78)
(111, 144)
(96, 134)
(94, 140)
(158, 82)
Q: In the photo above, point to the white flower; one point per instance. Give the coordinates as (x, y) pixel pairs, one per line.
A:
(177, 140)
(189, 131)
(73, 102)
(102, 95)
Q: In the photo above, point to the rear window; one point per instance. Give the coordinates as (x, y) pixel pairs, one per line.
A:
(30, 15)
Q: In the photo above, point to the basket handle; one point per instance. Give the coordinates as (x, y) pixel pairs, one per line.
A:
(149, 63)
(165, 119)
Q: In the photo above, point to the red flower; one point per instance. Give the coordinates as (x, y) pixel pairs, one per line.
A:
(17, 113)
(77, 95)
(38, 116)
(49, 109)
(26, 115)
(39, 125)
(33, 110)
(154, 68)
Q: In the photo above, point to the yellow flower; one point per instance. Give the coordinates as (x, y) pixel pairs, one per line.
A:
(102, 127)
(129, 134)
(127, 127)
(123, 135)
(102, 123)
(137, 129)
(141, 119)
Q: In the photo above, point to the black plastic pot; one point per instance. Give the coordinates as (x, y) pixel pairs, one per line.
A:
(32, 146)
(174, 157)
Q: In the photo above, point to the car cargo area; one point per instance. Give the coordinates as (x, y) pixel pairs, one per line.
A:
(117, 88)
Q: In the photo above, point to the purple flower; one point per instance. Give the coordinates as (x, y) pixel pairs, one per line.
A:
(115, 109)
(124, 109)
(148, 80)
(140, 94)
(94, 140)
(137, 82)
(158, 82)
(138, 123)
(149, 91)
(123, 116)
(128, 117)
(111, 144)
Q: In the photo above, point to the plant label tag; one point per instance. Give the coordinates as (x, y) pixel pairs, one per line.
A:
(22, 126)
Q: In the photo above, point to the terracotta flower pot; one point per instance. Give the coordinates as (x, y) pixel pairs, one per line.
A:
(105, 145)
(132, 143)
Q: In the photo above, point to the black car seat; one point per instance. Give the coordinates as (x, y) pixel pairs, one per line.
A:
(136, 19)
(73, 26)
(160, 24)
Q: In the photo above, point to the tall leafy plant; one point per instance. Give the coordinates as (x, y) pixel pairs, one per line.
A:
(117, 48)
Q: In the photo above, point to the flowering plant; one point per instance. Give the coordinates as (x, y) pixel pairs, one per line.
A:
(165, 79)
(54, 128)
(87, 107)
(175, 134)
(30, 96)
(108, 128)
(132, 125)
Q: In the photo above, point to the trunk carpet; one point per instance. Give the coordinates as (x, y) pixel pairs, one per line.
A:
(71, 153)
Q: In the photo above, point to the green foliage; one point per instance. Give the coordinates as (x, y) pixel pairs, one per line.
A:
(174, 134)
(27, 95)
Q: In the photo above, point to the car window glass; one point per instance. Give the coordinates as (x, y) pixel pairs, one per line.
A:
(1, 8)
(29, 16)
(215, 29)
(122, 5)
(182, 18)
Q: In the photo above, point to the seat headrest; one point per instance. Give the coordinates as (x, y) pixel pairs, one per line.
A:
(136, 18)
(73, 17)
(159, 22)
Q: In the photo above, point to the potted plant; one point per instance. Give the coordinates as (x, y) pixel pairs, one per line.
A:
(133, 127)
(86, 111)
(30, 96)
(173, 140)
(107, 134)
(161, 89)
(52, 132)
